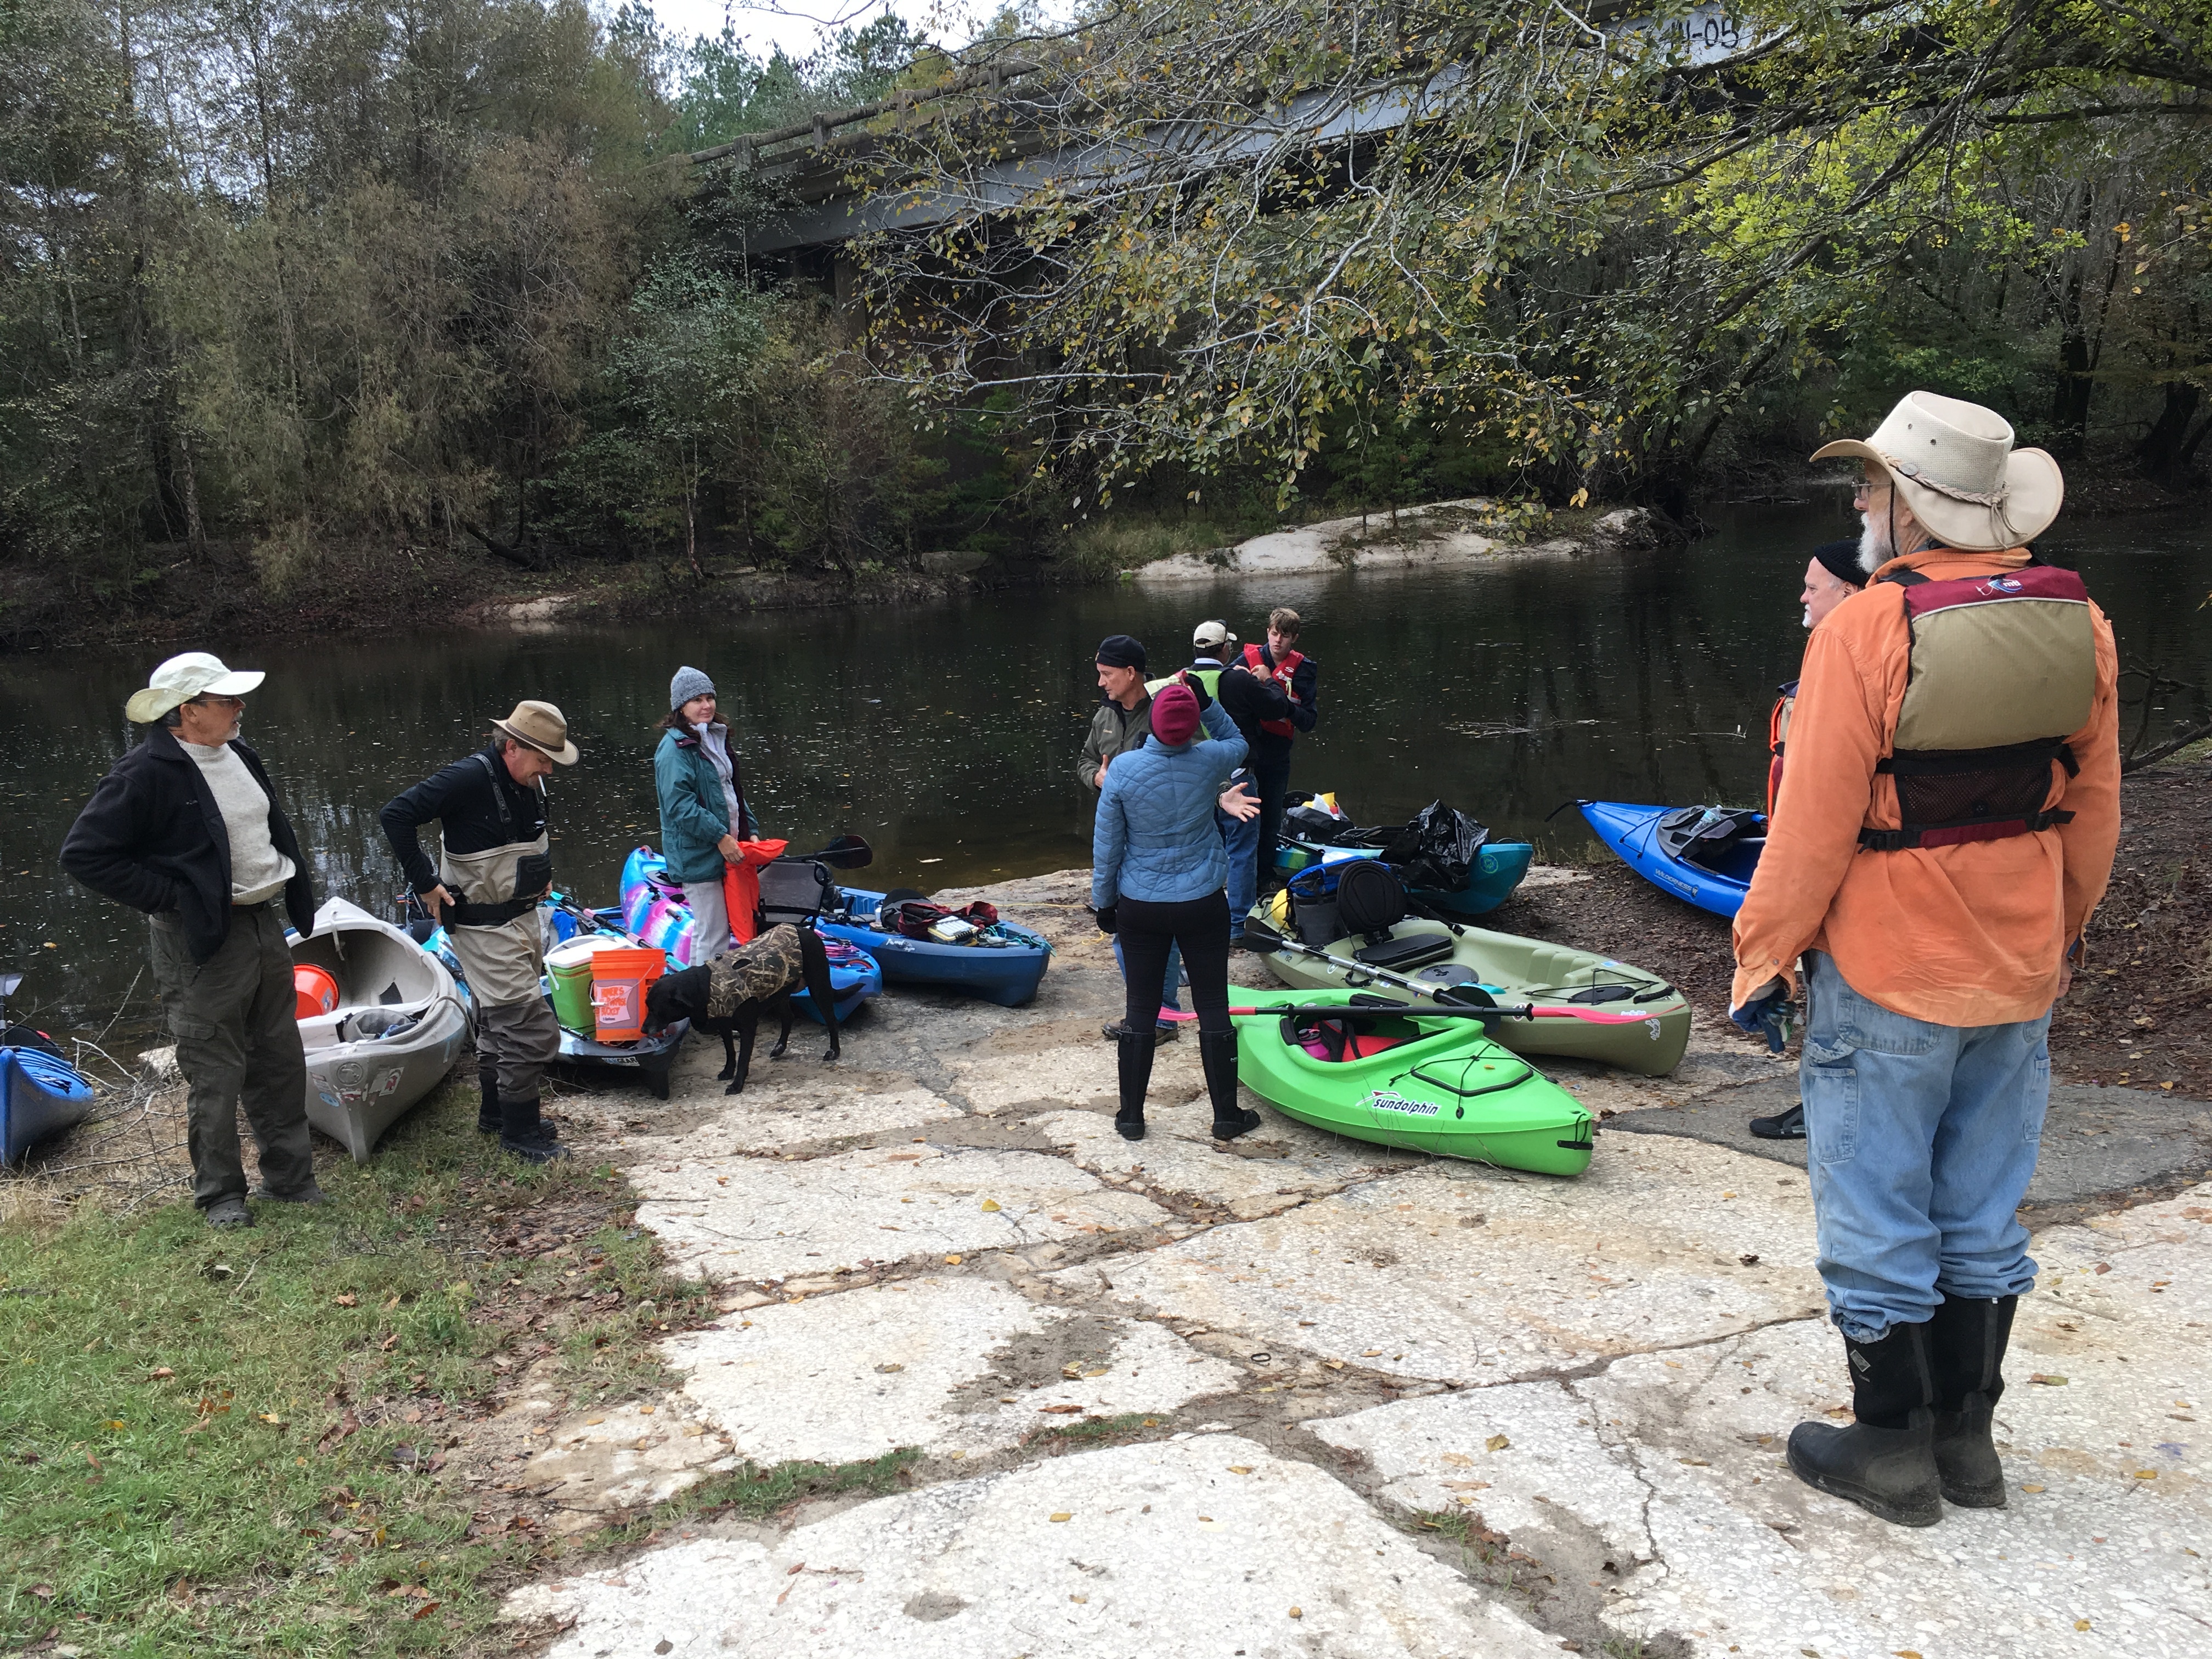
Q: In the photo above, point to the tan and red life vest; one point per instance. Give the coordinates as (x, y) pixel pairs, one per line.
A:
(2003, 669)
(1256, 661)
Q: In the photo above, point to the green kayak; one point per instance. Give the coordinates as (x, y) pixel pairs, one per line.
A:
(1424, 1083)
(1434, 955)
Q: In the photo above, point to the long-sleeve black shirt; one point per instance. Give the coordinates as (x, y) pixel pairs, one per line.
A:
(1251, 699)
(460, 797)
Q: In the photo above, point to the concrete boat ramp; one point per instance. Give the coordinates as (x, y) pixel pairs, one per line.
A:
(1301, 1396)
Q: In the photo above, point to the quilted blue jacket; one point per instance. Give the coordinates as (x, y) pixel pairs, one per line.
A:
(1156, 838)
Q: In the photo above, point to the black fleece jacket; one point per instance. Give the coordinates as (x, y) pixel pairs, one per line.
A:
(152, 837)
(464, 798)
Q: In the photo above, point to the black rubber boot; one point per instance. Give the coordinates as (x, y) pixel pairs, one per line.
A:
(1164, 1031)
(524, 1133)
(1966, 1343)
(1136, 1066)
(488, 1114)
(1885, 1461)
(1217, 1052)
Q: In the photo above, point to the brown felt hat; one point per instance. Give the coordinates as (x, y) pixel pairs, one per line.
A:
(544, 728)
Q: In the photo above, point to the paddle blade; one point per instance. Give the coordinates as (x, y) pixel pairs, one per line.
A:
(1465, 996)
(1261, 936)
(848, 853)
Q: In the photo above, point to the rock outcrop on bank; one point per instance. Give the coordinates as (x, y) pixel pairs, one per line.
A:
(1304, 1394)
(1436, 537)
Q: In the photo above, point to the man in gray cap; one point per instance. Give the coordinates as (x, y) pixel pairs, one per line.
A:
(188, 827)
(494, 868)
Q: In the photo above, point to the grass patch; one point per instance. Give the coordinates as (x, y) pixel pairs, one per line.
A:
(1093, 1431)
(758, 1492)
(228, 1443)
(1102, 546)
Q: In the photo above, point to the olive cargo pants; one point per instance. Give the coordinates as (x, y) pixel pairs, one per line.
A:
(237, 1043)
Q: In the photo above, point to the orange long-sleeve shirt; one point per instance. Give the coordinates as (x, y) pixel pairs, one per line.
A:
(1970, 934)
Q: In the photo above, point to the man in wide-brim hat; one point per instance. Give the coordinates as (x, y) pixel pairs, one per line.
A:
(1944, 826)
(494, 869)
(188, 827)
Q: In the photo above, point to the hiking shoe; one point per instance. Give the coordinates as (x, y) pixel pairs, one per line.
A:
(534, 1151)
(310, 1193)
(1785, 1125)
(1164, 1032)
(226, 1213)
(1228, 1129)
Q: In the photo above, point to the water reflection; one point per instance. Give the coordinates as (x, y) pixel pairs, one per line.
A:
(946, 733)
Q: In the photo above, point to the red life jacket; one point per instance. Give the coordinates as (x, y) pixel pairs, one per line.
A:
(1778, 733)
(2003, 670)
(1281, 673)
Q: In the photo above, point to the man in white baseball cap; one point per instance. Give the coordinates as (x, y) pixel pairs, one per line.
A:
(188, 827)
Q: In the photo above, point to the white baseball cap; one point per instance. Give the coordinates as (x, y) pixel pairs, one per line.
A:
(194, 674)
(1213, 634)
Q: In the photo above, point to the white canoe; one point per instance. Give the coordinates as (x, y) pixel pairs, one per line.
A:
(399, 1026)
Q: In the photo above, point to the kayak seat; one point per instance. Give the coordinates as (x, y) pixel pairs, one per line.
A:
(1335, 1040)
(1358, 1049)
(1398, 955)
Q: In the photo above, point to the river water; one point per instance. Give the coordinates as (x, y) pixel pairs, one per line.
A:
(946, 733)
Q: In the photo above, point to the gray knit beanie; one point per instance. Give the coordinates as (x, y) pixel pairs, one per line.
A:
(689, 683)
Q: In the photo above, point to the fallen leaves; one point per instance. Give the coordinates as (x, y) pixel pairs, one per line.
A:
(1061, 1515)
(989, 1207)
(160, 1374)
(1497, 1443)
(349, 1300)
(1058, 1410)
(2047, 1381)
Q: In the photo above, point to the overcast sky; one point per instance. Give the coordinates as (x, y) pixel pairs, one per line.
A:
(795, 25)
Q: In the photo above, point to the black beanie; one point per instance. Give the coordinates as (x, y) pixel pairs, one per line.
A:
(1841, 561)
(1120, 651)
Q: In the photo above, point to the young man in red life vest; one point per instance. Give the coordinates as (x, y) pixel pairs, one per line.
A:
(1291, 684)
(1945, 827)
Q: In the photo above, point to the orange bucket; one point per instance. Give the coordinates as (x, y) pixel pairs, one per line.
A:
(619, 979)
(314, 990)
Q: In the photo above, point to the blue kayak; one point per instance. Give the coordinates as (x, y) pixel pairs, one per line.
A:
(1497, 871)
(1005, 964)
(653, 910)
(1632, 831)
(41, 1094)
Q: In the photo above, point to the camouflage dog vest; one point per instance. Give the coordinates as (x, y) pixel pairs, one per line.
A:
(755, 970)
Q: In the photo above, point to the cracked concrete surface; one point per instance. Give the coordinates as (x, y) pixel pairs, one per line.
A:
(1316, 1364)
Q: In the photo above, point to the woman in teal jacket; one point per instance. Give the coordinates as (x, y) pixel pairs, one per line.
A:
(703, 815)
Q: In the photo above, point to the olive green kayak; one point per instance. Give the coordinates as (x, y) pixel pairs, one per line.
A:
(1427, 1083)
(1435, 955)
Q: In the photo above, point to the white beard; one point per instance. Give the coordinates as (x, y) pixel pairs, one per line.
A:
(1807, 621)
(1874, 543)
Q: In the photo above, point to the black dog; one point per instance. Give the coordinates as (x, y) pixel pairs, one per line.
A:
(727, 994)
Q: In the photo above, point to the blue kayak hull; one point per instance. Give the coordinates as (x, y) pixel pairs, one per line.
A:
(40, 1094)
(1632, 830)
(1007, 974)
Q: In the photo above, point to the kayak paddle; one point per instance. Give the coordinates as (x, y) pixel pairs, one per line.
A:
(846, 853)
(1384, 1005)
(1471, 999)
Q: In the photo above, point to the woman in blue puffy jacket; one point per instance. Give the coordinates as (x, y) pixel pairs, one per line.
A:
(1157, 871)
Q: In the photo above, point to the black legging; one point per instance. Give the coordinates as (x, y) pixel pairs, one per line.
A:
(1201, 926)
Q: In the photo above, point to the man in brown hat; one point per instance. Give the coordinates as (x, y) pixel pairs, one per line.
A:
(1944, 827)
(493, 870)
(188, 827)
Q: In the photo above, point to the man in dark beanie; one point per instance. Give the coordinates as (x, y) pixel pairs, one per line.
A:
(1122, 722)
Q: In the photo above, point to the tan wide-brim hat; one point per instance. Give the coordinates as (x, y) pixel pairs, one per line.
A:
(544, 728)
(1954, 465)
(178, 681)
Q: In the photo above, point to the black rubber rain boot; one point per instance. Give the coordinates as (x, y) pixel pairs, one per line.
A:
(1966, 1343)
(1136, 1067)
(488, 1114)
(1885, 1461)
(1217, 1052)
(522, 1132)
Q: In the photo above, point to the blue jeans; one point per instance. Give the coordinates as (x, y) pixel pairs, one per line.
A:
(1171, 992)
(1241, 842)
(1921, 1141)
